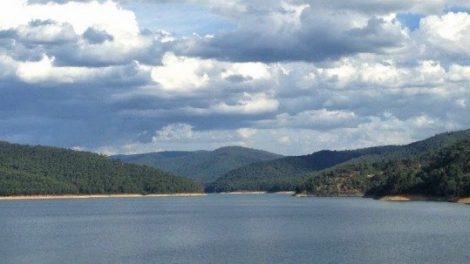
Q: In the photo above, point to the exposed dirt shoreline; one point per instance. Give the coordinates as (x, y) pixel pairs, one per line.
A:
(302, 195)
(256, 193)
(388, 198)
(463, 200)
(95, 196)
(411, 198)
(401, 198)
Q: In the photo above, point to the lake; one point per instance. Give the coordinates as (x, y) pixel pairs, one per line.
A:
(269, 228)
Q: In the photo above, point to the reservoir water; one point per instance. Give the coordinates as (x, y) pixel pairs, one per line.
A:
(233, 229)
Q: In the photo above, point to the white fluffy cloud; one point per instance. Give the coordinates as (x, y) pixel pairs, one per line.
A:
(44, 71)
(106, 15)
(291, 76)
(181, 73)
(70, 24)
(448, 34)
(187, 75)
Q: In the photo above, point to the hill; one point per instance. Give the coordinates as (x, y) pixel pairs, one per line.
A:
(34, 170)
(200, 166)
(441, 167)
(290, 172)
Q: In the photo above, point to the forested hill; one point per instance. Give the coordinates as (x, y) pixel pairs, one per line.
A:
(289, 172)
(201, 166)
(442, 172)
(282, 174)
(30, 170)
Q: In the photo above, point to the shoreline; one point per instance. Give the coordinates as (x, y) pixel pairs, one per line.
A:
(306, 195)
(387, 198)
(243, 192)
(463, 200)
(423, 198)
(256, 193)
(409, 198)
(95, 196)
(399, 198)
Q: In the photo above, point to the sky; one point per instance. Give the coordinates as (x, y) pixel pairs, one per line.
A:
(287, 76)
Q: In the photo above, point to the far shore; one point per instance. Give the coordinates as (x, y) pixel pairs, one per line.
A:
(95, 196)
(388, 198)
(400, 198)
(303, 194)
(463, 200)
(257, 192)
(411, 198)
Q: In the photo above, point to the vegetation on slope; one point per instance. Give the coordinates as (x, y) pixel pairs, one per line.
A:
(443, 172)
(282, 174)
(338, 172)
(28, 170)
(200, 166)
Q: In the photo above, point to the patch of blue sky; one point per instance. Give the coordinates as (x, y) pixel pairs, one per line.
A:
(410, 20)
(178, 18)
(457, 9)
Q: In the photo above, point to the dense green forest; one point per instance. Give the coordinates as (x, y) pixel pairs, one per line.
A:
(287, 173)
(439, 170)
(30, 170)
(438, 166)
(328, 168)
(278, 175)
(200, 166)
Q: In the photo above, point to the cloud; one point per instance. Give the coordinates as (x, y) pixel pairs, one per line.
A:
(249, 104)
(290, 76)
(45, 72)
(459, 73)
(106, 35)
(246, 133)
(48, 31)
(299, 32)
(447, 35)
(106, 15)
(239, 72)
(317, 119)
(179, 131)
(96, 36)
(181, 73)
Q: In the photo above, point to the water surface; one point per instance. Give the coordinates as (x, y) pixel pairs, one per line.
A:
(233, 229)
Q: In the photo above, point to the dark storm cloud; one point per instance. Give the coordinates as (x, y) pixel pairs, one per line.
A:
(317, 37)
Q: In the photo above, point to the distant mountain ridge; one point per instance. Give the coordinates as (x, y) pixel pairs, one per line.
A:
(201, 166)
(287, 173)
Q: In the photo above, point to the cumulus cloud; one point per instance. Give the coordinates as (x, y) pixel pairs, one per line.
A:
(107, 15)
(181, 73)
(291, 76)
(107, 34)
(47, 31)
(309, 32)
(447, 35)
